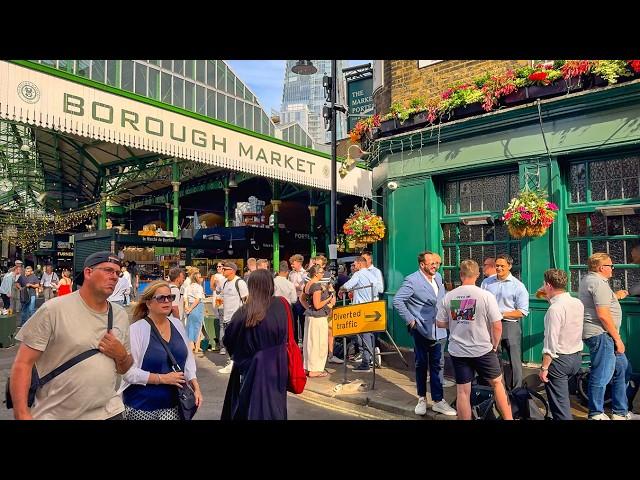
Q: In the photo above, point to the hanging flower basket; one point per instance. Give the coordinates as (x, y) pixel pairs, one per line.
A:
(363, 227)
(530, 214)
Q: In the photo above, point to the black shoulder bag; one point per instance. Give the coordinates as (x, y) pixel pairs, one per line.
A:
(37, 382)
(186, 396)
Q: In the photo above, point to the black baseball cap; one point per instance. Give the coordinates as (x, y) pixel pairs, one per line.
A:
(96, 259)
(101, 257)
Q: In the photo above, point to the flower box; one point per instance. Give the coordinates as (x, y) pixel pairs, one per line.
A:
(558, 87)
(375, 133)
(515, 98)
(467, 111)
(420, 119)
(388, 126)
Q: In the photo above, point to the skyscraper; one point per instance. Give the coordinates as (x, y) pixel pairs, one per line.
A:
(307, 90)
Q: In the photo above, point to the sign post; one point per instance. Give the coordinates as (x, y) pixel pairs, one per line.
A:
(359, 318)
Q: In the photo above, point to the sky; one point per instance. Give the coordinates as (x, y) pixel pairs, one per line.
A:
(265, 78)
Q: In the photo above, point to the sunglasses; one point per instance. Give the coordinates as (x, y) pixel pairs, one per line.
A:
(164, 298)
(607, 265)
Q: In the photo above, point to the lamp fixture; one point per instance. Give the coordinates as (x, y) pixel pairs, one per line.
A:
(304, 67)
(350, 163)
(616, 211)
(478, 220)
(232, 181)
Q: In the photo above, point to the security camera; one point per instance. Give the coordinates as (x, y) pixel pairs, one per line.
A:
(392, 185)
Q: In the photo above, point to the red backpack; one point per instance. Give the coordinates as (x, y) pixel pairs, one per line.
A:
(297, 376)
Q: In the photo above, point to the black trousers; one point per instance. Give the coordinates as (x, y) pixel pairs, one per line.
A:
(6, 300)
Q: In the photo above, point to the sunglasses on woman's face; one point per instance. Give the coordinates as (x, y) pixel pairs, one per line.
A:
(164, 298)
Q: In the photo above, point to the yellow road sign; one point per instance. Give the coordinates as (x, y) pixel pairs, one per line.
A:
(359, 318)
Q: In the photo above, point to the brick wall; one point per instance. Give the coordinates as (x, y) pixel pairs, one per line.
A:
(403, 79)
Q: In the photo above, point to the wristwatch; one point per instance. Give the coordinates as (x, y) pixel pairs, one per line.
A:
(544, 369)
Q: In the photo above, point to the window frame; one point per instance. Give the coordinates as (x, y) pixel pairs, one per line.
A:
(589, 207)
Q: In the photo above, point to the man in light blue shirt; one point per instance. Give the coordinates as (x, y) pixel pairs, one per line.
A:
(513, 301)
(361, 283)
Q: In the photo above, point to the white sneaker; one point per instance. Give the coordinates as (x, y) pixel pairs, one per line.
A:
(223, 351)
(378, 357)
(628, 416)
(227, 368)
(602, 416)
(334, 359)
(421, 407)
(444, 408)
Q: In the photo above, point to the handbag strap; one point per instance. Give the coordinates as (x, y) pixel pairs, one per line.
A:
(78, 358)
(172, 359)
(287, 309)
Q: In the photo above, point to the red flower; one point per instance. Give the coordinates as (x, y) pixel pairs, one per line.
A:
(539, 77)
(635, 65)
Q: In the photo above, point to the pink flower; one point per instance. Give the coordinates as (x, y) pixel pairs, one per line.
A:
(552, 206)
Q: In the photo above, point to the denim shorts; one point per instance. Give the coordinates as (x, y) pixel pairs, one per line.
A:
(487, 366)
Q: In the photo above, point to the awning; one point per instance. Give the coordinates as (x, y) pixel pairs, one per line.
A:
(49, 101)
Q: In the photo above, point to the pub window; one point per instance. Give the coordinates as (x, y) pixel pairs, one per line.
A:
(483, 198)
(595, 188)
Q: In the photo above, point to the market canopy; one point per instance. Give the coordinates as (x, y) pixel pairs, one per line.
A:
(120, 127)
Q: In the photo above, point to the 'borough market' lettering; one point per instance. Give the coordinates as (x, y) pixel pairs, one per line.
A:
(288, 161)
(101, 112)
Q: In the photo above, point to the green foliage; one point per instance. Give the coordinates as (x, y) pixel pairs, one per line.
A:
(611, 70)
(399, 111)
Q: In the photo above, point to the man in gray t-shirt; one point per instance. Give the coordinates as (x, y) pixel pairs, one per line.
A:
(474, 321)
(602, 319)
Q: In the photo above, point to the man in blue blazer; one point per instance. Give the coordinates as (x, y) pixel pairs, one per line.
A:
(417, 303)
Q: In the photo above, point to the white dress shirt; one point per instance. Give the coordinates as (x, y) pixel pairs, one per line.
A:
(563, 324)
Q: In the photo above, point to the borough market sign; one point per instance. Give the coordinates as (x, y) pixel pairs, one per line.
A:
(45, 100)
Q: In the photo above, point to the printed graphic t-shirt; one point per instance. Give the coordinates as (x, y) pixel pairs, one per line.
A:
(470, 312)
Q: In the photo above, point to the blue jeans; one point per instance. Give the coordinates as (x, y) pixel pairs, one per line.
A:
(606, 366)
(369, 340)
(429, 355)
(28, 309)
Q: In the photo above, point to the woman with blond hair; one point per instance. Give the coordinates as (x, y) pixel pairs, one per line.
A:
(150, 387)
(194, 311)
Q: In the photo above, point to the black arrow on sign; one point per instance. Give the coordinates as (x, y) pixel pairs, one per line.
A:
(375, 317)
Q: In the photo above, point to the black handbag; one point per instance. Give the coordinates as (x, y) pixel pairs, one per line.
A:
(186, 396)
(37, 382)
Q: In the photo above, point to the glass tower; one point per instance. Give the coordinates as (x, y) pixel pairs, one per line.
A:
(308, 90)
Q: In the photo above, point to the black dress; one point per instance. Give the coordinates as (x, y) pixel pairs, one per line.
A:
(257, 388)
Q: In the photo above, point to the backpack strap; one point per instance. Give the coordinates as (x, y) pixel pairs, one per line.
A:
(78, 358)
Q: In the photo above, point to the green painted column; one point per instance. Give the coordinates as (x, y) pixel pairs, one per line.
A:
(176, 208)
(313, 209)
(537, 255)
(102, 219)
(168, 218)
(227, 222)
(175, 174)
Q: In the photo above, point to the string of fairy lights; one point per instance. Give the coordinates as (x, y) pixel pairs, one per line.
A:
(26, 227)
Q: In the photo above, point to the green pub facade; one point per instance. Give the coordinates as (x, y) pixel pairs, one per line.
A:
(583, 148)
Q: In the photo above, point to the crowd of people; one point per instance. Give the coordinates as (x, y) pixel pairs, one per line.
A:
(256, 311)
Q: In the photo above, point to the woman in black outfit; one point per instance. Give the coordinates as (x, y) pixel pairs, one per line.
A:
(256, 339)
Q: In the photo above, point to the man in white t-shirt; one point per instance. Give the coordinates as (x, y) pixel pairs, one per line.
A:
(282, 287)
(61, 329)
(234, 295)
(176, 279)
(474, 321)
(49, 282)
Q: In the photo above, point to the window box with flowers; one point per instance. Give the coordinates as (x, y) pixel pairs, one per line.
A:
(461, 101)
(530, 214)
(363, 227)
